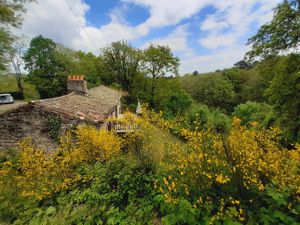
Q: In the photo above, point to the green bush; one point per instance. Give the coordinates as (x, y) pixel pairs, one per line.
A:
(117, 192)
(253, 112)
(178, 103)
(200, 117)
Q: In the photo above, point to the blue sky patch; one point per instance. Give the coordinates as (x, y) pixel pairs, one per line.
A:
(205, 35)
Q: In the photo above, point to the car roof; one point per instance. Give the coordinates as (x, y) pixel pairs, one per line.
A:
(5, 94)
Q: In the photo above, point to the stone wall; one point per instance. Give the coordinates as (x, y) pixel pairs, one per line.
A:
(29, 121)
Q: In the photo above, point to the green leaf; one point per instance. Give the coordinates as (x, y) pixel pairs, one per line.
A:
(50, 210)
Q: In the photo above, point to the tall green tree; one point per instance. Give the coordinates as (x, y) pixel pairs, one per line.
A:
(242, 64)
(89, 65)
(10, 17)
(122, 61)
(214, 90)
(157, 62)
(178, 103)
(281, 34)
(46, 71)
(284, 94)
(247, 83)
(78, 62)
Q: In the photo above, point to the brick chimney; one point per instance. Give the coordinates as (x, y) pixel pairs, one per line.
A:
(77, 83)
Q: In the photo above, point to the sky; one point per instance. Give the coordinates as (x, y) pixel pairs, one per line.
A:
(205, 34)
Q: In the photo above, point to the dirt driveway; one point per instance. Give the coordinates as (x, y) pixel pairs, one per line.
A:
(6, 107)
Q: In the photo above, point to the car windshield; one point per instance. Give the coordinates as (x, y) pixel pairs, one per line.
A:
(3, 97)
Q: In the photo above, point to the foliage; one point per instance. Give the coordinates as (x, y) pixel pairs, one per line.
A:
(248, 84)
(45, 70)
(120, 192)
(78, 62)
(213, 90)
(8, 84)
(187, 164)
(50, 173)
(200, 117)
(242, 176)
(281, 34)
(53, 124)
(242, 64)
(15, 55)
(283, 94)
(253, 112)
(11, 202)
(165, 88)
(157, 62)
(178, 103)
(233, 171)
(10, 17)
(122, 61)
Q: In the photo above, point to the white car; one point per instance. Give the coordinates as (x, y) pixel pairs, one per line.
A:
(6, 98)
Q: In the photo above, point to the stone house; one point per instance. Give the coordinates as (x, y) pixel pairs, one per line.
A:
(37, 119)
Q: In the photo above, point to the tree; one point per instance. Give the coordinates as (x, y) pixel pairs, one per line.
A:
(248, 84)
(214, 90)
(89, 65)
(122, 61)
(242, 64)
(281, 34)
(200, 117)
(46, 71)
(284, 94)
(157, 62)
(252, 112)
(15, 56)
(78, 62)
(178, 103)
(10, 17)
(195, 72)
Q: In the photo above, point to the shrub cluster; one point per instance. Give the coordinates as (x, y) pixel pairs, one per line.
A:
(243, 176)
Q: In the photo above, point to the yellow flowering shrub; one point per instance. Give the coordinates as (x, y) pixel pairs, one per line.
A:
(211, 167)
(157, 119)
(91, 145)
(258, 157)
(38, 171)
(132, 141)
(145, 140)
(43, 174)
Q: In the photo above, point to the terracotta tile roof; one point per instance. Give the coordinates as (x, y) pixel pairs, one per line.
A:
(95, 106)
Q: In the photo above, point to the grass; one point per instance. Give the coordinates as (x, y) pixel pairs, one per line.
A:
(159, 143)
(8, 84)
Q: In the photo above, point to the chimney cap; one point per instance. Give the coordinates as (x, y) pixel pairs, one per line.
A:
(76, 77)
(77, 83)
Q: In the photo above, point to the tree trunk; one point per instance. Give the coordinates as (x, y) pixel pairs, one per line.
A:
(19, 82)
(152, 93)
(18, 75)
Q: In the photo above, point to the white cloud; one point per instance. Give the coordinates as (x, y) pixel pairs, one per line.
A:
(233, 20)
(54, 19)
(224, 28)
(177, 40)
(215, 40)
(166, 12)
(211, 62)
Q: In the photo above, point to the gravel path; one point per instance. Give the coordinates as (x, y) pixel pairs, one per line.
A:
(5, 107)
